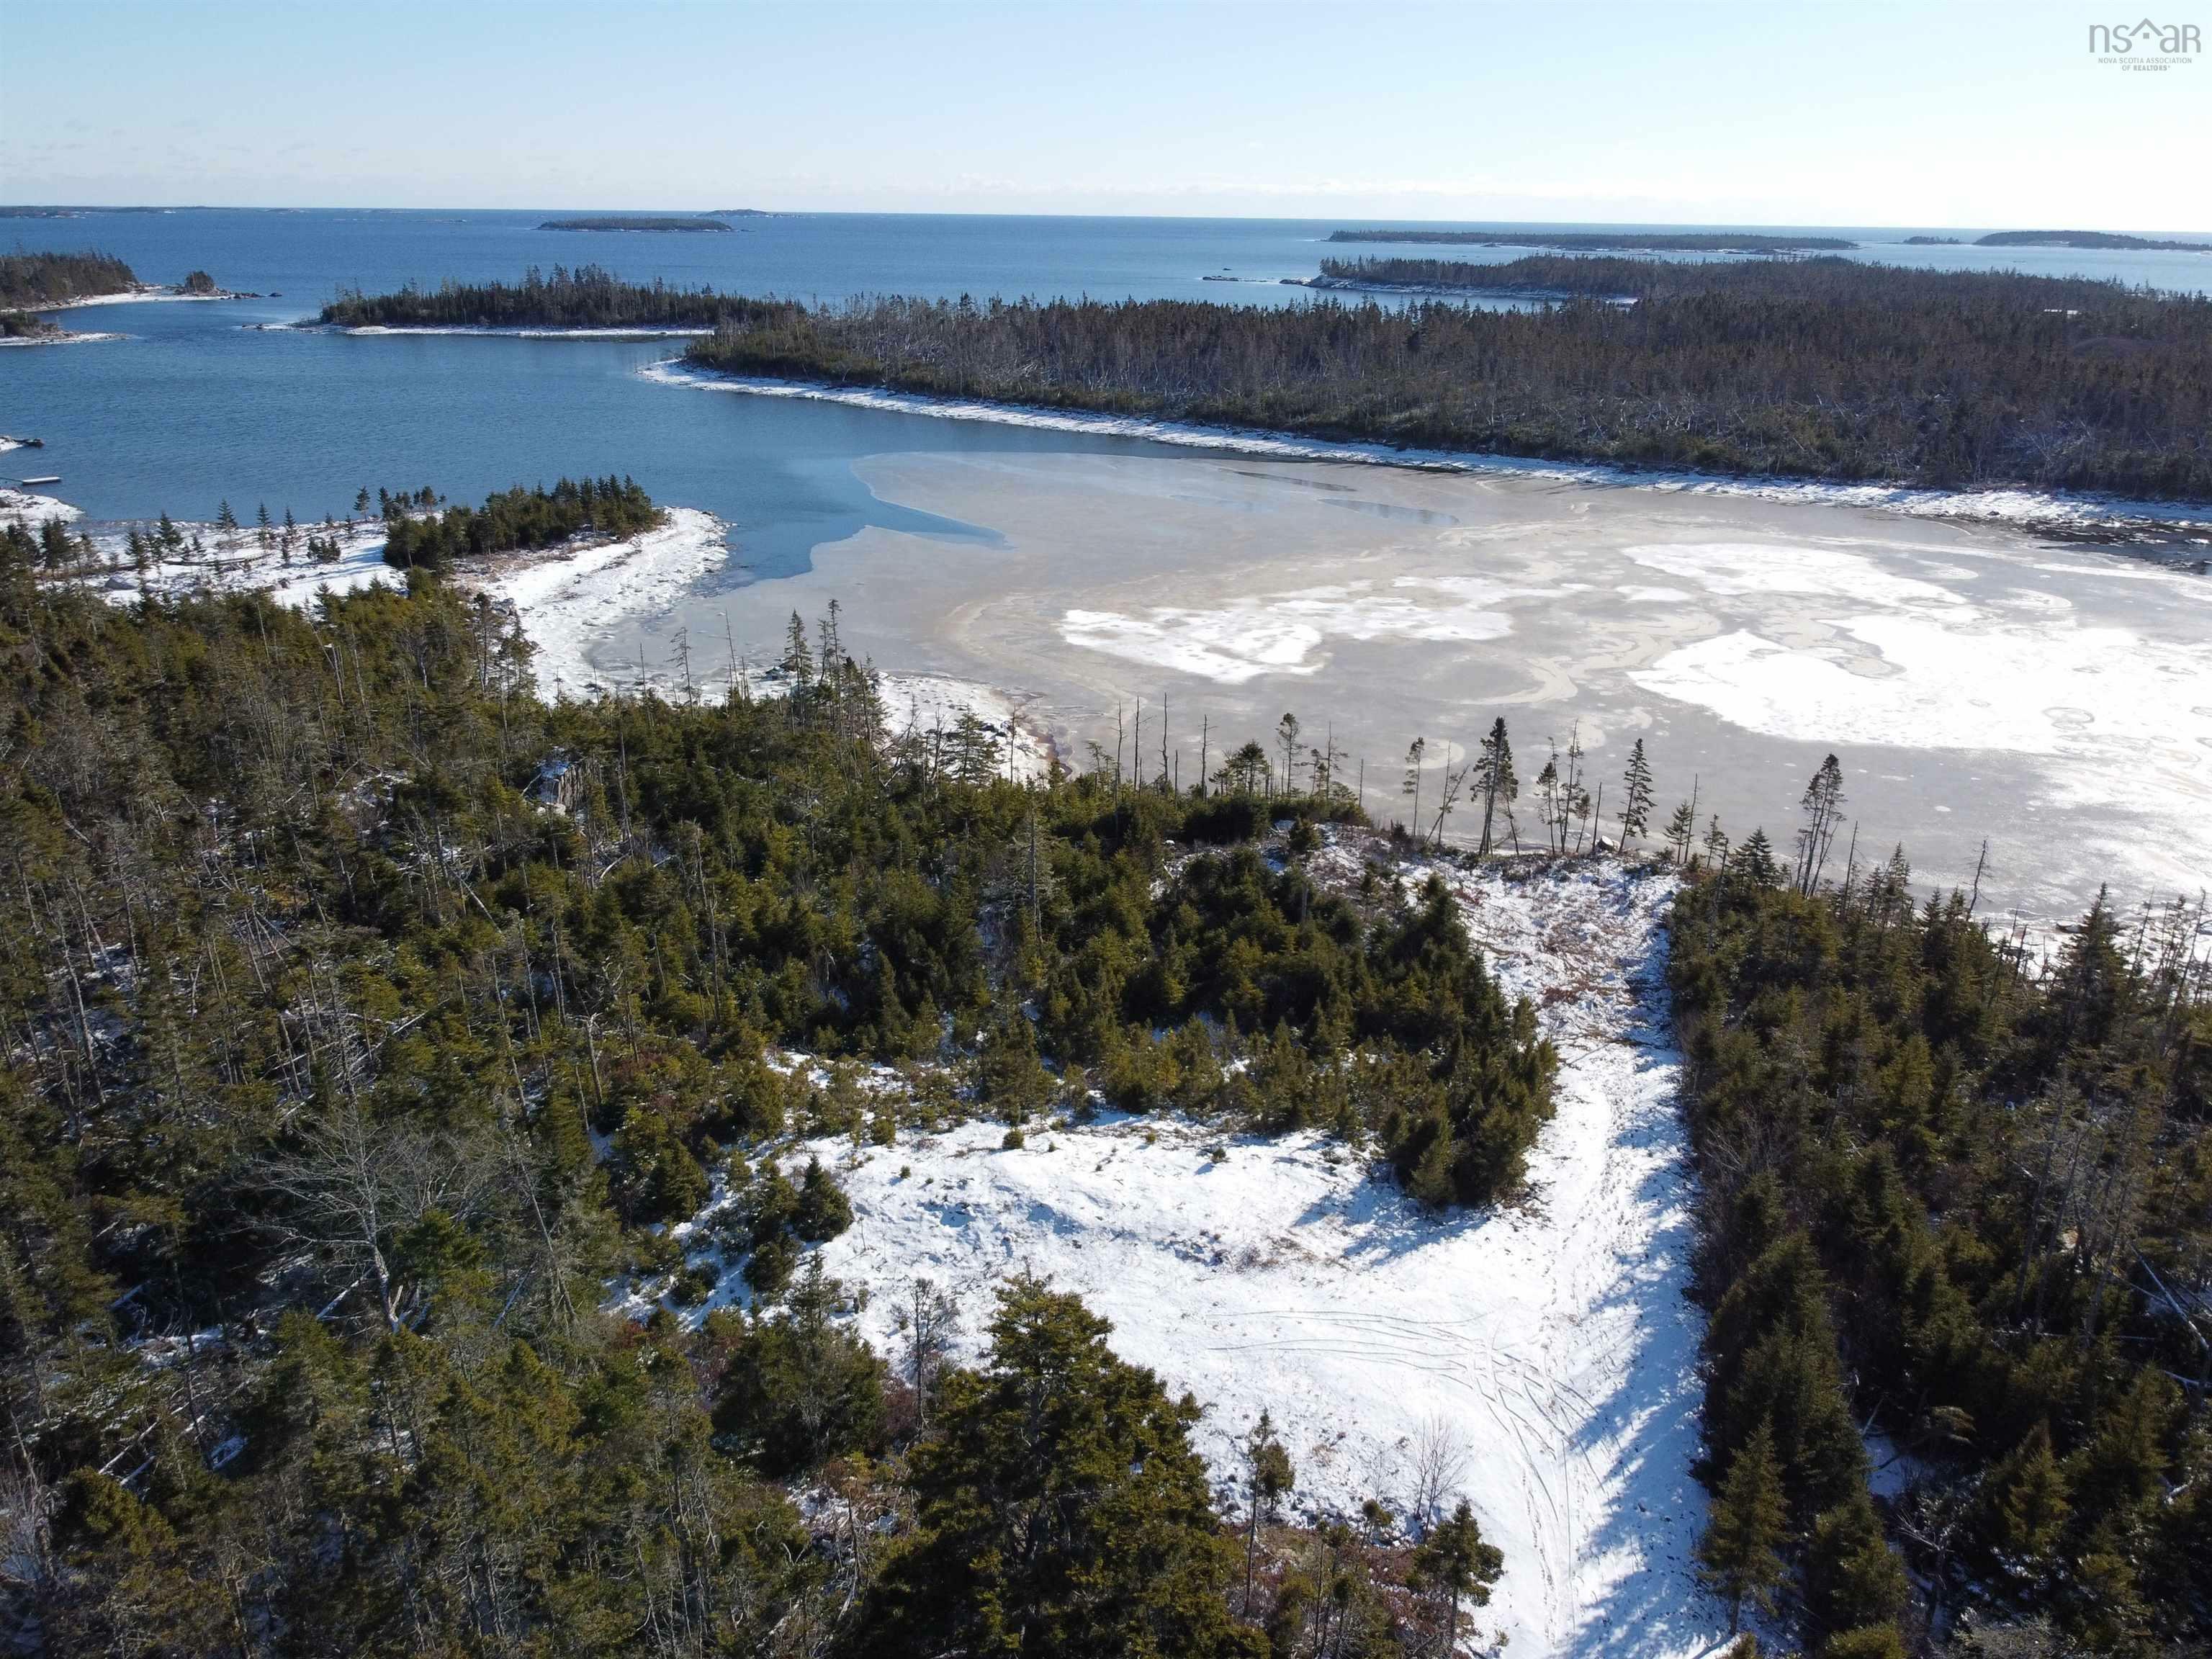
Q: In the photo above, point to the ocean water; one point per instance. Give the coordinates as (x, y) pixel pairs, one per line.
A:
(197, 404)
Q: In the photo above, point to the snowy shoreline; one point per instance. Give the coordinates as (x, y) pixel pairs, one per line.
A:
(464, 331)
(144, 294)
(2020, 508)
(569, 599)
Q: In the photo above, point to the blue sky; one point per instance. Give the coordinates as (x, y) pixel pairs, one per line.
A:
(1933, 114)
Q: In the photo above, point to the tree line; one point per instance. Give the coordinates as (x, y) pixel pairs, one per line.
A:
(30, 280)
(522, 517)
(1831, 370)
(1956, 1220)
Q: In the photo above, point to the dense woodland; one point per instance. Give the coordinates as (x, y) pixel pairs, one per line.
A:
(587, 297)
(1833, 370)
(28, 280)
(509, 520)
(341, 1075)
(1969, 1208)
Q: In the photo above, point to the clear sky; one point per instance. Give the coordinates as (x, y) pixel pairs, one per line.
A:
(1978, 115)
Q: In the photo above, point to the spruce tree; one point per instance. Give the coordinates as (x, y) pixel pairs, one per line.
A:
(1636, 782)
(1268, 1476)
(1058, 1508)
(1739, 1558)
(1494, 781)
(2025, 1505)
(1453, 1562)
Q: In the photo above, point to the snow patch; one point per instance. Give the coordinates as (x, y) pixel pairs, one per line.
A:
(1552, 1336)
(1284, 633)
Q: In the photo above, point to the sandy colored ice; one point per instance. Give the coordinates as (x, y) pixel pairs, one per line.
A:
(1974, 680)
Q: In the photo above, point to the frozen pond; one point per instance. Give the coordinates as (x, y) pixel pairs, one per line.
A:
(1975, 680)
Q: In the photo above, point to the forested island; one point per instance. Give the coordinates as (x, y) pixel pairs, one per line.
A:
(1608, 241)
(1829, 369)
(634, 221)
(2084, 239)
(587, 297)
(31, 282)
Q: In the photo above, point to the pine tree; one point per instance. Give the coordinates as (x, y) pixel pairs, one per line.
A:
(1412, 786)
(823, 1211)
(1268, 1476)
(1058, 1509)
(1681, 828)
(1739, 1558)
(1852, 1577)
(1452, 1563)
(1636, 783)
(1494, 781)
(2025, 1505)
(1822, 808)
(798, 656)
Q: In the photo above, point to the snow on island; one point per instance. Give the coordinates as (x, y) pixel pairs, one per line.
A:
(1546, 1346)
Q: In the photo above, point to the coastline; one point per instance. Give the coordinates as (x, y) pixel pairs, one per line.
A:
(377, 331)
(2014, 508)
(569, 599)
(147, 294)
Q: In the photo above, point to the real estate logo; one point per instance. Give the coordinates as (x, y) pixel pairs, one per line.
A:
(2145, 44)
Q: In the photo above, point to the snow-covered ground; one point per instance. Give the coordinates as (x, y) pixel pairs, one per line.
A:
(567, 597)
(569, 604)
(243, 568)
(30, 509)
(1551, 1339)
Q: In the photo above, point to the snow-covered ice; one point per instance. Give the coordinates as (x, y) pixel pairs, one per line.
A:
(1551, 1335)
(1284, 633)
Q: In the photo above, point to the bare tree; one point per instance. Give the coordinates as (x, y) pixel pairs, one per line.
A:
(1439, 1458)
(355, 1185)
(931, 1318)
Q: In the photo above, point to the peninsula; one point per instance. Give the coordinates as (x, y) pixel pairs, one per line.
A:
(1831, 370)
(1731, 241)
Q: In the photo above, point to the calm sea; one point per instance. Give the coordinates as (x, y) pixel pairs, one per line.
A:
(197, 406)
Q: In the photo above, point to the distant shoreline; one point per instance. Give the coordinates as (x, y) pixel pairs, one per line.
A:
(634, 221)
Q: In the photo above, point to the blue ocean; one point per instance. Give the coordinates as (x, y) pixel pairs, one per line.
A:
(203, 403)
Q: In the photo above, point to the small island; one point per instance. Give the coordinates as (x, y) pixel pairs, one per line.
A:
(1608, 241)
(2091, 239)
(1934, 241)
(634, 221)
(587, 300)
